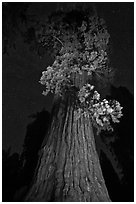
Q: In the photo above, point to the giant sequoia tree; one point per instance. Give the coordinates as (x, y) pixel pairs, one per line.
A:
(69, 167)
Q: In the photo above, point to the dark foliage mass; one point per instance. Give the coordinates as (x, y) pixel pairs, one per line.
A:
(18, 172)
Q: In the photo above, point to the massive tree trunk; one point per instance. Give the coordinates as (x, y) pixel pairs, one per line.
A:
(69, 167)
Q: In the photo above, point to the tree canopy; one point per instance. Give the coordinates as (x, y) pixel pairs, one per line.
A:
(78, 40)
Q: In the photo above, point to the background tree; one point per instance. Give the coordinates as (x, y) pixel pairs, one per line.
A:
(69, 168)
(122, 191)
(35, 135)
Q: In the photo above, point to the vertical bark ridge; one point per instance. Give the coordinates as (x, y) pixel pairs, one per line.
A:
(98, 177)
(61, 158)
(89, 182)
(67, 164)
(70, 161)
(83, 175)
(77, 162)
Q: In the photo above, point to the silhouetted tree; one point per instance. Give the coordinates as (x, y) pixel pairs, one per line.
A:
(124, 145)
(35, 136)
(36, 133)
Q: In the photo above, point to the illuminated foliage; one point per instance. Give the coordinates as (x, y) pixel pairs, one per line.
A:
(101, 112)
(80, 50)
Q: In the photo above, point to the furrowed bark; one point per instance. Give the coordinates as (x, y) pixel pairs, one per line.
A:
(69, 167)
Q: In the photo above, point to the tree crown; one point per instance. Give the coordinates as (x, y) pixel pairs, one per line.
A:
(79, 43)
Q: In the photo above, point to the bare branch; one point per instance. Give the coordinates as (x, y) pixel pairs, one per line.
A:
(58, 40)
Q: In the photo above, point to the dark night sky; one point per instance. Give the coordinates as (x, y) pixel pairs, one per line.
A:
(22, 70)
